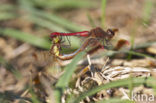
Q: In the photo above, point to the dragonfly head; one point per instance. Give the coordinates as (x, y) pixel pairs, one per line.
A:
(111, 33)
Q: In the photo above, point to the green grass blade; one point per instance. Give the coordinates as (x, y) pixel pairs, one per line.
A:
(69, 70)
(34, 97)
(57, 4)
(144, 45)
(138, 54)
(104, 2)
(6, 12)
(147, 10)
(38, 19)
(46, 24)
(6, 16)
(111, 53)
(25, 37)
(27, 5)
(114, 84)
(130, 85)
(91, 21)
(58, 20)
(6, 7)
(132, 37)
(115, 100)
(65, 78)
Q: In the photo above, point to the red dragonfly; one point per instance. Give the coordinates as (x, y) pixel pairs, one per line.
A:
(98, 33)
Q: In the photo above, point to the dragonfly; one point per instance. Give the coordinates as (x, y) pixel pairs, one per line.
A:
(95, 32)
(98, 33)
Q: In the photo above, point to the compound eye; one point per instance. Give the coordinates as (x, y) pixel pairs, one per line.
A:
(110, 33)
